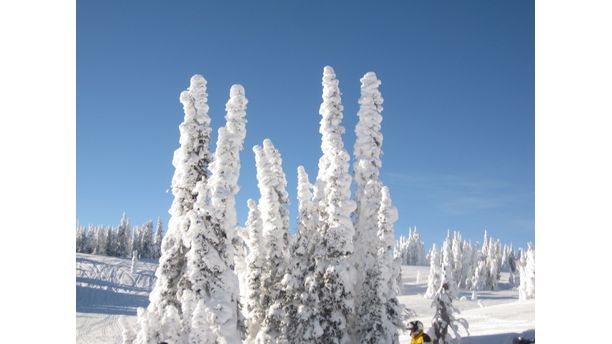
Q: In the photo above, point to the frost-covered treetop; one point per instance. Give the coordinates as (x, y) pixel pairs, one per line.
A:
(304, 193)
(226, 166)
(369, 139)
(191, 158)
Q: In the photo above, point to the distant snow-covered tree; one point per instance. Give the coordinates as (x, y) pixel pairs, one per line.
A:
(81, 239)
(447, 264)
(434, 280)
(526, 267)
(146, 240)
(122, 243)
(411, 249)
(157, 241)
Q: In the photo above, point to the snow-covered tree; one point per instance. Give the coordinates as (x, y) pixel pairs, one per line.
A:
(255, 262)
(157, 241)
(381, 314)
(212, 298)
(299, 304)
(457, 258)
(81, 239)
(272, 205)
(526, 267)
(333, 275)
(411, 249)
(444, 318)
(122, 243)
(162, 320)
(366, 172)
(146, 240)
(434, 280)
(447, 267)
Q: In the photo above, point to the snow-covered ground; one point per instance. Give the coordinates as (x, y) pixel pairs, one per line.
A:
(106, 290)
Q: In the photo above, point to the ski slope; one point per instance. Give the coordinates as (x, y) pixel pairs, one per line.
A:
(106, 290)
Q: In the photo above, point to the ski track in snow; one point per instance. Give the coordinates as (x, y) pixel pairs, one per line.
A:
(106, 290)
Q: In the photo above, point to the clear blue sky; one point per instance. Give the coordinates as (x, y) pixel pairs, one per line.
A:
(458, 83)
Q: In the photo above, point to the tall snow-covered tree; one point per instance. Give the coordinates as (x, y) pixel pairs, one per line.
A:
(272, 205)
(526, 267)
(212, 298)
(162, 320)
(366, 172)
(333, 275)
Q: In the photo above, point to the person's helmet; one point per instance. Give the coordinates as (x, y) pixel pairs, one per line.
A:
(415, 326)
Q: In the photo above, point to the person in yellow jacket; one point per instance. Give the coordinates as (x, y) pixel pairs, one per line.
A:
(417, 336)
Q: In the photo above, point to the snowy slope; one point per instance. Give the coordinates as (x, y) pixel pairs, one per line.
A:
(107, 290)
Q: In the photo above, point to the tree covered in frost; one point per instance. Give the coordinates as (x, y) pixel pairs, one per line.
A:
(366, 172)
(300, 303)
(162, 320)
(381, 314)
(411, 249)
(333, 275)
(254, 269)
(124, 234)
(272, 206)
(211, 300)
(434, 281)
(447, 268)
(157, 240)
(526, 267)
(445, 326)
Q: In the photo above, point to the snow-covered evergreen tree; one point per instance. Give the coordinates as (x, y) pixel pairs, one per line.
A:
(411, 249)
(381, 314)
(272, 205)
(366, 171)
(333, 275)
(157, 241)
(434, 280)
(162, 320)
(526, 267)
(146, 240)
(299, 304)
(212, 297)
(255, 263)
(444, 318)
(122, 244)
(447, 264)
(81, 239)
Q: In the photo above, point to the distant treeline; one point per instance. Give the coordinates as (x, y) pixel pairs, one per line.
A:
(121, 241)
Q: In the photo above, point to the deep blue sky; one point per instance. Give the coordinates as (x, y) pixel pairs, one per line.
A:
(458, 83)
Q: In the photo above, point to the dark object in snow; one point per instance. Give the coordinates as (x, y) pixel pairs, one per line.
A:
(521, 340)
